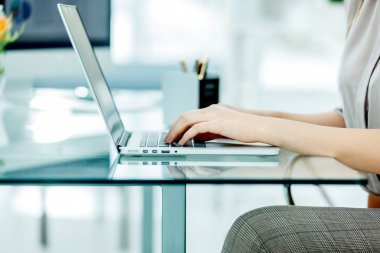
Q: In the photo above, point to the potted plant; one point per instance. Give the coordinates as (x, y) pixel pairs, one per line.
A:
(11, 28)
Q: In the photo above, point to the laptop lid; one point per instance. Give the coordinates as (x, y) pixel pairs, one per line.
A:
(94, 74)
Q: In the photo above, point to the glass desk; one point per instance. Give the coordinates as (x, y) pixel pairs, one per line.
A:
(67, 145)
(174, 175)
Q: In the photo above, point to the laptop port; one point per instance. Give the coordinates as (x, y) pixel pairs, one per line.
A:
(154, 151)
(165, 151)
(165, 163)
(145, 151)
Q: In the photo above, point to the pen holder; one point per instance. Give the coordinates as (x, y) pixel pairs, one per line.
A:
(208, 91)
(184, 92)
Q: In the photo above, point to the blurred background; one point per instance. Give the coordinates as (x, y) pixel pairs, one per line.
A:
(259, 48)
(272, 54)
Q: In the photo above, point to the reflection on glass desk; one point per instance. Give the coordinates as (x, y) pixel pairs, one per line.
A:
(287, 168)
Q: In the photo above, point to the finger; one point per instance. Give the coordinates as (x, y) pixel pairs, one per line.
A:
(187, 120)
(180, 119)
(183, 123)
(201, 128)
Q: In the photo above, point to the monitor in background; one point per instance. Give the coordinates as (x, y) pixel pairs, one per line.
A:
(44, 28)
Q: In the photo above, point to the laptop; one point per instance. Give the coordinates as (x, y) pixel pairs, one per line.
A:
(138, 143)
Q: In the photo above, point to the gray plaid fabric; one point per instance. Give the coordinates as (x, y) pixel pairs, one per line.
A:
(305, 229)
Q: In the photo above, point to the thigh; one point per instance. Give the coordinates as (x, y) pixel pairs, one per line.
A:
(305, 229)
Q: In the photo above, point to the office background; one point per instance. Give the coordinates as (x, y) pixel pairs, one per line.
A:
(270, 54)
(256, 46)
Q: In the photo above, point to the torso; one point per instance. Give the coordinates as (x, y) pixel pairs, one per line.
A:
(359, 75)
(359, 79)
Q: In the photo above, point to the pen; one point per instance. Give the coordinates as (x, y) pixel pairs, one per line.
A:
(183, 65)
(203, 69)
(197, 67)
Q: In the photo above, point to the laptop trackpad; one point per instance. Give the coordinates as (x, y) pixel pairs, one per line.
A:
(224, 143)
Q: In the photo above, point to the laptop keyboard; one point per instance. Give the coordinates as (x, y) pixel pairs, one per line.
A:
(154, 140)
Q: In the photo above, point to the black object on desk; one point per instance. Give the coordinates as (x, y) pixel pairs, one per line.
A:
(208, 91)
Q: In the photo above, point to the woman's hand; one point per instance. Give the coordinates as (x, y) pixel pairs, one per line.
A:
(212, 122)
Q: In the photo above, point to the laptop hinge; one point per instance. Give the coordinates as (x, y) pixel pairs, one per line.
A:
(123, 140)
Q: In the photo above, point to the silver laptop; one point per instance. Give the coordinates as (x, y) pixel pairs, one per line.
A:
(137, 144)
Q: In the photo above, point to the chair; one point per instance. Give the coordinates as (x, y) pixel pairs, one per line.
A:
(305, 229)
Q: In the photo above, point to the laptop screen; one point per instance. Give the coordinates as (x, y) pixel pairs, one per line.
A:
(102, 94)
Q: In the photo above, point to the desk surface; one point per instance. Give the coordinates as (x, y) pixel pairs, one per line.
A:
(51, 137)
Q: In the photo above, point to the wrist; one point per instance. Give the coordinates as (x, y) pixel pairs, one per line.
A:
(256, 127)
(264, 129)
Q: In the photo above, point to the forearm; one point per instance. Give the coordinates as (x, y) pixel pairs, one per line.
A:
(333, 119)
(357, 148)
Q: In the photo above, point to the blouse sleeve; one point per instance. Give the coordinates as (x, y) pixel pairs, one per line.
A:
(340, 111)
(351, 9)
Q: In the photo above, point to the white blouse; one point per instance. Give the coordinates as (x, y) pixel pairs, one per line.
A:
(359, 78)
